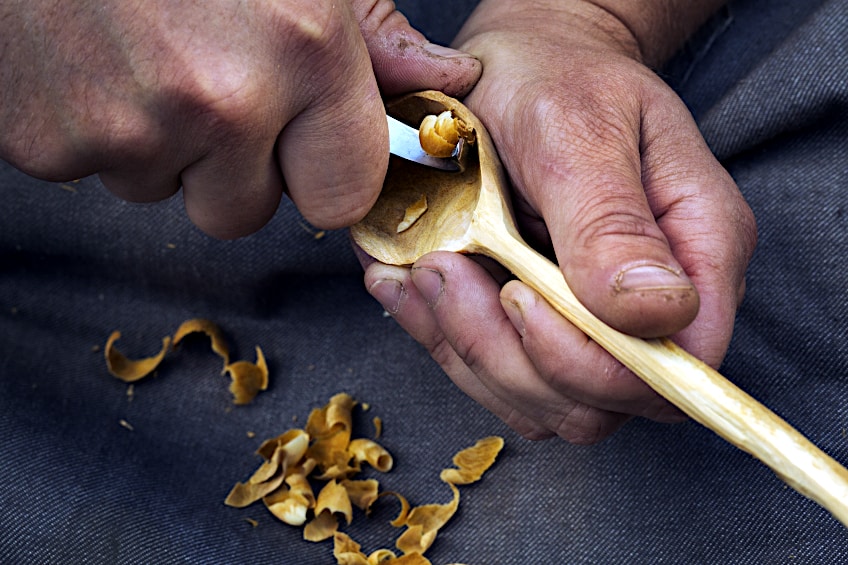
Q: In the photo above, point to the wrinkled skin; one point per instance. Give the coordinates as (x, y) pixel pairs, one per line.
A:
(612, 177)
(235, 102)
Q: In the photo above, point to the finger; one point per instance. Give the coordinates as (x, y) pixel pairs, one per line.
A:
(139, 163)
(709, 226)
(465, 301)
(574, 365)
(150, 184)
(404, 60)
(233, 192)
(334, 153)
(617, 259)
(394, 289)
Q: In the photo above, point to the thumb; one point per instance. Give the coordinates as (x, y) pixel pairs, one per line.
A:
(603, 222)
(404, 60)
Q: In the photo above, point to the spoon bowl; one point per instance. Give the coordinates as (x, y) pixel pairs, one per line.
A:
(453, 199)
(469, 212)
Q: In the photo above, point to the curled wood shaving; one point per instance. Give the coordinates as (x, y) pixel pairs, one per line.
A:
(382, 556)
(129, 370)
(334, 499)
(346, 551)
(404, 508)
(265, 480)
(371, 452)
(322, 527)
(424, 522)
(248, 379)
(216, 337)
(289, 507)
(439, 135)
(413, 212)
(362, 493)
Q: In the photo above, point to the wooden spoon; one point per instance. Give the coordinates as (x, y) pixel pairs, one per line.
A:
(469, 212)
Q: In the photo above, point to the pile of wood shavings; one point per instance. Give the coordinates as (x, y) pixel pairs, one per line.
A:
(325, 451)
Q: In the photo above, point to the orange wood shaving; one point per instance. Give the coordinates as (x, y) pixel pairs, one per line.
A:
(129, 370)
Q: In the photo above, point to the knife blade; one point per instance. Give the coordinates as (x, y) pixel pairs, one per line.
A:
(404, 142)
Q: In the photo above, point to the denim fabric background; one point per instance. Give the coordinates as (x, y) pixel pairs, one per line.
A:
(768, 86)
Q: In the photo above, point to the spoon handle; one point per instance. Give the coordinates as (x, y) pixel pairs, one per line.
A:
(691, 385)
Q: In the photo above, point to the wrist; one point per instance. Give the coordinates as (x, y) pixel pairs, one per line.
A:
(578, 23)
(649, 31)
(660, 27)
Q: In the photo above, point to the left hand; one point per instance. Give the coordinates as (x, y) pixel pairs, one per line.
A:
(611, 174)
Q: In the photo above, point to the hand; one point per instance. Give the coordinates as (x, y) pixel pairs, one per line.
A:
(611, 177)
(235, 102)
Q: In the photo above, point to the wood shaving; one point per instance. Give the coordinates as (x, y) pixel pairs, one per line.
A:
(212, 331)
(129, 370)
(413, 212)
(439, 135)
(248, 379)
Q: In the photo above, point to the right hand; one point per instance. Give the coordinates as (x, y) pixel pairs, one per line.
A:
(235, 102)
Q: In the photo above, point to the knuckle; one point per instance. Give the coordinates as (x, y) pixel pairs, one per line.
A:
(125, 133)
(45, 152)
(33, 156)
(91, 132)
(440, 349)
(33, 140)
(601, 216)
(315, 30)
(229, 100)
(373, 15)
(316, 24)
(473, 353)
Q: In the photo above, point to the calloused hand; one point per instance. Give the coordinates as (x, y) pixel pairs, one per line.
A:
(235, 102)
(612, 177)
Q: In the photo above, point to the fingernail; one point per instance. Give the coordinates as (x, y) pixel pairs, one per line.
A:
(389, 293)
(429, 283)
(515, 314)
(651, 277)
(443, 52)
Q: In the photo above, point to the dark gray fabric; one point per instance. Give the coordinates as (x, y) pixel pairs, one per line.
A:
(77, 487)
(440, 21)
